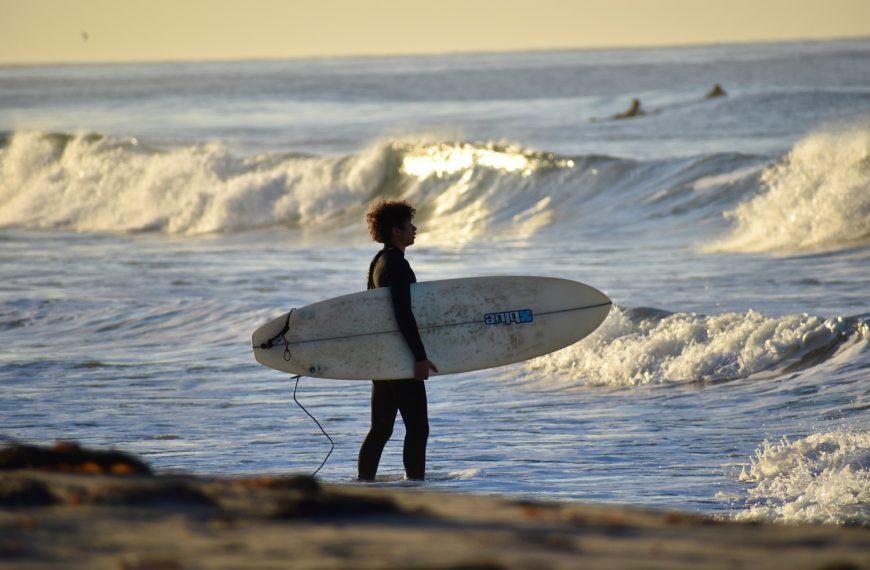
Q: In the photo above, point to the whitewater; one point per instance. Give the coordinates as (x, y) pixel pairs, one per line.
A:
(152, 215)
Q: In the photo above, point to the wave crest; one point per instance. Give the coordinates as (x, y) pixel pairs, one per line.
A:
(822, 478)
(817, 198)
(649, 346)
(465, 191)
(90, 182)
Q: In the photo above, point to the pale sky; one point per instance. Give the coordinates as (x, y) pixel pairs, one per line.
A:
(44, 31)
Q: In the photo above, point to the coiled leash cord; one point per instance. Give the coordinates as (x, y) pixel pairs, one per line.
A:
(332, 443)
(287, 356)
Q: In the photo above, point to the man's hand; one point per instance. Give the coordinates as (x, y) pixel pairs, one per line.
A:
(421, 369)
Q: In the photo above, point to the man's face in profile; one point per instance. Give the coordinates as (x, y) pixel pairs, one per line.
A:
(404, 235)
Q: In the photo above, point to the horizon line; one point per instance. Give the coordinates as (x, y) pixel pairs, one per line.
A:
(385, 55)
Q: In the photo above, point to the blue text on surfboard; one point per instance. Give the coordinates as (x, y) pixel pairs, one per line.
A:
(508, 317)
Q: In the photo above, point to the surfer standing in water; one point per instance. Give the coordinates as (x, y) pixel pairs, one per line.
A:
(390, 224)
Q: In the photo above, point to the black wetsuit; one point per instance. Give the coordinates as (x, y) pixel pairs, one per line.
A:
(390, 269)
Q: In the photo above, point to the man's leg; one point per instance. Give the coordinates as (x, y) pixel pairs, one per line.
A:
(411, 396)
(384, 407)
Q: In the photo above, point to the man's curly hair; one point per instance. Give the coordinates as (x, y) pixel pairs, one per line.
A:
(386, 215)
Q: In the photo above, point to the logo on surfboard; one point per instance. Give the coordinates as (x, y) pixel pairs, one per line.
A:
(508, 317)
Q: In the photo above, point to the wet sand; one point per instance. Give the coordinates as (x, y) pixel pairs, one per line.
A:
(110, 511)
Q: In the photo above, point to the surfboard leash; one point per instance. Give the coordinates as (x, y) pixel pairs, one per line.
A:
(271, 342)
(332, 443)
(287, 356)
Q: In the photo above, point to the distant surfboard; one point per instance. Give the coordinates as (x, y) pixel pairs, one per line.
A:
(465, 324)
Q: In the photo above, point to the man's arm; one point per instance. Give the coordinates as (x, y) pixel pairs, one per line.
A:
(399, 280)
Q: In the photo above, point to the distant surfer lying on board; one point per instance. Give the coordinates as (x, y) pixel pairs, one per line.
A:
(390, 224)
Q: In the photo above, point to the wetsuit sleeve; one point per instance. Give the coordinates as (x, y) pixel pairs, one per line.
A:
(399, 281)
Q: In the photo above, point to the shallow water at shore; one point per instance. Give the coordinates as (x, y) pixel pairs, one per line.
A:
(731, 234)
(157, 360)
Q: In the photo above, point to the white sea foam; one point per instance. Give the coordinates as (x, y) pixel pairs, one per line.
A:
(465, 191)
(630, 349)
(822, 478)
(462, 474)
(817, 198)
(448, 158)
(92, 182)
(100, 183)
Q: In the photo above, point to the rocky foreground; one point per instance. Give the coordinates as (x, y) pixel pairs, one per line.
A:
(65, 507)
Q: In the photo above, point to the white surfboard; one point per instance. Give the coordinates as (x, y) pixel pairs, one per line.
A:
(465, 324)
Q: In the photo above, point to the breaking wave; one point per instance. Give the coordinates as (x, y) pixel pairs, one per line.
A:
(98, 183)
(650, 346)
(90, 182)
(817, 198)
(822, 478)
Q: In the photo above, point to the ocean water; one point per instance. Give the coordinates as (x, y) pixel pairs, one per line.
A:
(153, 215)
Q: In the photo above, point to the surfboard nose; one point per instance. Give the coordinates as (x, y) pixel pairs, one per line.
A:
(265, 333)
(578, 294)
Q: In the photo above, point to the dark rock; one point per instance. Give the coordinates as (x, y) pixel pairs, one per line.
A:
(304, 483)
(150, 495)
(68, 457)
(840, 565)
(16, 493)
(325, 506)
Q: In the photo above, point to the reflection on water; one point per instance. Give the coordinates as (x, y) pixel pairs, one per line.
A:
(143, 343)
(153, 215)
